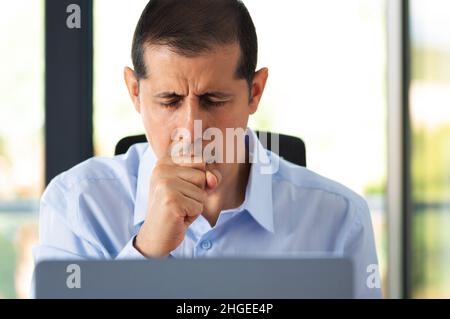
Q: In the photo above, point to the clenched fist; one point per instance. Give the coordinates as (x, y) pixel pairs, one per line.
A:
(176, 197)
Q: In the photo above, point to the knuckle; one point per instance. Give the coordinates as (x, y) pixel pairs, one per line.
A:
(192, 208)
(200, 178)
(196, 208)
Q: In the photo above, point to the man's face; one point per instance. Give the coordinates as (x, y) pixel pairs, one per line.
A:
(179, 90)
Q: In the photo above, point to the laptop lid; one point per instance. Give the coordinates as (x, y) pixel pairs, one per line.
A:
(196, 279)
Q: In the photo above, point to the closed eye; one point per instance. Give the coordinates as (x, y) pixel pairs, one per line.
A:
(171, 104)
(175, 104)
(210, 103)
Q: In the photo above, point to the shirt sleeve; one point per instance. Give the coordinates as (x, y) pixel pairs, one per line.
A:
(360, 247)
(130, 252)
(59, 227)
(60, 234)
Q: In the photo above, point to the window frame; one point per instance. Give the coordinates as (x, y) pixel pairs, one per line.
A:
(68, 87)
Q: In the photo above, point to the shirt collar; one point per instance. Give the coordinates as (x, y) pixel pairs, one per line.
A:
(258, 195)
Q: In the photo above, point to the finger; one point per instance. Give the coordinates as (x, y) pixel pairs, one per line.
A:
(192, 162)
(213, 179)
(194, 176)
(191, 207)
(190, 190)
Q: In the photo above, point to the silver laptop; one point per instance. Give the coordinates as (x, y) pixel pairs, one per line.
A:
(196, 279)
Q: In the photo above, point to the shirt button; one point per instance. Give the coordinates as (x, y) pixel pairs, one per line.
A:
(206, 244)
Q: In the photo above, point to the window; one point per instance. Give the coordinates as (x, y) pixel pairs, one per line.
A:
(21, 140)
(114, 114)
(430, 116)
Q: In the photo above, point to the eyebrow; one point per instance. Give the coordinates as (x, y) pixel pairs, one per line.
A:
(213, 94)
(166, 95)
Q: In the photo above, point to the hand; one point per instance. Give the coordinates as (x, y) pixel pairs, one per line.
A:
(176, 198)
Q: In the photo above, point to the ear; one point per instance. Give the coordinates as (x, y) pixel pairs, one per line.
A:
(259, 83)
(132, 84)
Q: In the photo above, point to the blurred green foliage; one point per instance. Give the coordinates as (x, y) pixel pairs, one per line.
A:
(7, 267)
(431, 164)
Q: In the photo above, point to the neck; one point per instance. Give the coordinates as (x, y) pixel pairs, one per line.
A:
(230, 193)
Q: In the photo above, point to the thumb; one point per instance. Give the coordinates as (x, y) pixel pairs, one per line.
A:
(213, 179)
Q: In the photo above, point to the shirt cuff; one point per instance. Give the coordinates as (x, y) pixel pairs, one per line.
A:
(130, 252)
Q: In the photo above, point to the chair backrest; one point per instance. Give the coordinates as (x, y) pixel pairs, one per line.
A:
(291, 148)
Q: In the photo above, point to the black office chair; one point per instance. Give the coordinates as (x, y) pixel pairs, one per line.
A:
(291, 148)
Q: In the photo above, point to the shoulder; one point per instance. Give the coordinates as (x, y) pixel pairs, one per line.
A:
(104, 168)
(94, 195)
(303, 187)
(96, 176)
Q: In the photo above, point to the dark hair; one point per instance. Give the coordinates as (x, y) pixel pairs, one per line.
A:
(190, 27)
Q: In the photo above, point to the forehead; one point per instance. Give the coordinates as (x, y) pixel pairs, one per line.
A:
(214, 68)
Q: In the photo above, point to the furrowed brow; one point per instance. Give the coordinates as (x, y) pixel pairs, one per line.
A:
(168, 95)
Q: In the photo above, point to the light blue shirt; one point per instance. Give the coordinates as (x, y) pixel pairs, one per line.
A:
(94, 211)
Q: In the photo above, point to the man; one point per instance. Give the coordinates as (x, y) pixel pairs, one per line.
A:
(195, 62)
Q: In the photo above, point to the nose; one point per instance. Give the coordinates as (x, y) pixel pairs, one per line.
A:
(193, 119)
